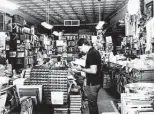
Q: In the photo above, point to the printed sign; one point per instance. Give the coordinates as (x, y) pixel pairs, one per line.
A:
(3, 36)
(57, 98)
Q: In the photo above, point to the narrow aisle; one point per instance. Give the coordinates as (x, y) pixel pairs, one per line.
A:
(105, 96)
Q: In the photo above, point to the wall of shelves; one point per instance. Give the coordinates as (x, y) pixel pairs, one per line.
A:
(87, 36)
(72, 43)
(23, 45)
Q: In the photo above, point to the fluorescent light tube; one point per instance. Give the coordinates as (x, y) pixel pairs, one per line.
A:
(9, 5)
(46, 25)
(55, 33)
(100, 25)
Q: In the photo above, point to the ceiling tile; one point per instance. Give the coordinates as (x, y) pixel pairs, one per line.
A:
(69, 9)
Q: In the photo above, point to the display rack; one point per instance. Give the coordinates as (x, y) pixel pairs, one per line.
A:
(86, 35)
(35, 47)
(122, 76)
(11, 101)
(52, 81)
(16, 47)
(28, 52)
(23, 47)
(131, 103)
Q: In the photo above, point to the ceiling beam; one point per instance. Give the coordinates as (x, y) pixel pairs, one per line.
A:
(54, 11)
(63, 9)
(109, 16)
(21, 10)
(33, 11)
(83, 9)
(73, 10)
(116, 4)
(46, 12)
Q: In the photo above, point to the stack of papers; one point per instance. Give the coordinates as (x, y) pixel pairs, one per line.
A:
(80, 62)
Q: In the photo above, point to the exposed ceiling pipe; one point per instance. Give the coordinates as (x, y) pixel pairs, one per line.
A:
(99, 10)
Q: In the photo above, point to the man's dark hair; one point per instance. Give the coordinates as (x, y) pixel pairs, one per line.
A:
(82, 41)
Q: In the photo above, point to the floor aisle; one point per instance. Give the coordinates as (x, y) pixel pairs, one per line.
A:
(105, 96)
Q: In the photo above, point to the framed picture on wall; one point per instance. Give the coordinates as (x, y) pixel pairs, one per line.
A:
(149, 10)
(8, 23)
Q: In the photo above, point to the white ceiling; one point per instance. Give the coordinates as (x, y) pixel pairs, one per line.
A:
(87, 11)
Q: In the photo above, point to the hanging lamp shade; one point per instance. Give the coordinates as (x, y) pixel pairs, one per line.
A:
(46, 25)
(100, 25)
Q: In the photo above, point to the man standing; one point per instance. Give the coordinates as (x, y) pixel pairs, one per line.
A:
(92, 70)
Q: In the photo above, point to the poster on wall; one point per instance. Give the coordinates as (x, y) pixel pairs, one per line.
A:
(8, 23)
(3, 37)
(149, 10)
(5, 22)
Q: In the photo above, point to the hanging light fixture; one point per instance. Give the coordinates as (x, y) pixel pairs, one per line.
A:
(55, 33)
(100, 23)
(46, 23)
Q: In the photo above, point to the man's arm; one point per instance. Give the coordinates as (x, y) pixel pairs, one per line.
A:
(91, 70)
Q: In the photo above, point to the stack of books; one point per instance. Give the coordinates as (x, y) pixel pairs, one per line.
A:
(75, 104)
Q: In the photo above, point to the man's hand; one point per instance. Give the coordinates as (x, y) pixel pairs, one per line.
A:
(74, 70)
(78, 68)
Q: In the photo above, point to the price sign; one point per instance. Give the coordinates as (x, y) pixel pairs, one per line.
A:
(57, 98)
